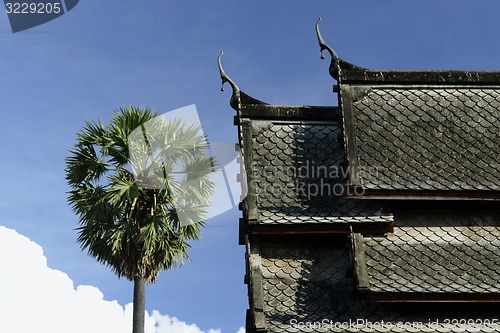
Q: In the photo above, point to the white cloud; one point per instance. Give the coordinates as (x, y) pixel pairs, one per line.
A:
(36, 298)
(168, 324)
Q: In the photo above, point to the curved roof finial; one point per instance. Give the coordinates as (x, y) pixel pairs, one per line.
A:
(225, 78)
(238, 97)
(334, 64)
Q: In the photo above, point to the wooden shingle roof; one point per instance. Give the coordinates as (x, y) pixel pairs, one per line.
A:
(433, 134)
(376, 210)
(423, 138)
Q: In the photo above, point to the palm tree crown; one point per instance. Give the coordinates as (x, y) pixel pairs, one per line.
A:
(130, 208)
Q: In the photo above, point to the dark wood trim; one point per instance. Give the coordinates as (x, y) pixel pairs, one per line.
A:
(350, 135)
(416, 77)
(285, 112)
(360, 270)
(369, 228)
(256, 278)
(247, 99)
(422, 194)
(242, 231)
(428, 297)
(247, 153)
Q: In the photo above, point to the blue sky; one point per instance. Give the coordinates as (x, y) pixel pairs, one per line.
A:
(106, 54)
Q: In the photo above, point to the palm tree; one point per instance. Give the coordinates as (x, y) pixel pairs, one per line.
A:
(136, 215)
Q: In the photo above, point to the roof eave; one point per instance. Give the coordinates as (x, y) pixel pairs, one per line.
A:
(420, 195)
(411, 297)
(346, 72)
(416, 77)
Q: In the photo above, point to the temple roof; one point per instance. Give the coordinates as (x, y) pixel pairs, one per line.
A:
(376, 210)
(431, 133)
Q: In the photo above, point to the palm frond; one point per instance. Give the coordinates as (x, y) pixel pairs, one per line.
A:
(136, 230)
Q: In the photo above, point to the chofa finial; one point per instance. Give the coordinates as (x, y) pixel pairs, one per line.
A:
(236, 91)
(334, 64)
(224, 76)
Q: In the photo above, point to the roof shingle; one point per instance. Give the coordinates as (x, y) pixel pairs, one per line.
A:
(424, 138)
(308, 288)
(437, 252)
(298, 175)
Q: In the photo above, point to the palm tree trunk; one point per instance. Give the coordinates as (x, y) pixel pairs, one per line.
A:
(139, 305)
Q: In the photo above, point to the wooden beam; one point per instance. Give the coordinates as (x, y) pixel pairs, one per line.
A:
(290, 112)
(428, 297)
(373, 228)
(360, 271)
(424, 195)
(256, 281)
